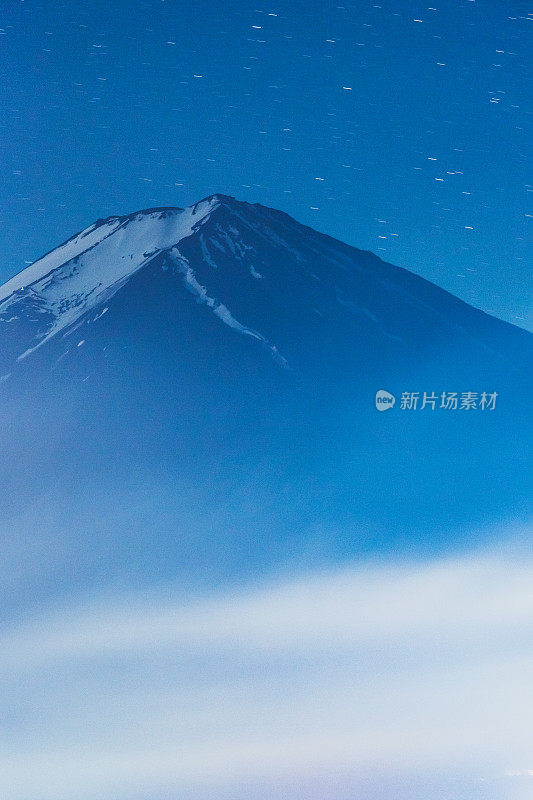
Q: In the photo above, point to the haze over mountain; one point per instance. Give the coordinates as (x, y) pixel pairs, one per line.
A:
(194, 389)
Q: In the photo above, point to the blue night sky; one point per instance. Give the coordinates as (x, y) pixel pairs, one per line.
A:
(399, 127)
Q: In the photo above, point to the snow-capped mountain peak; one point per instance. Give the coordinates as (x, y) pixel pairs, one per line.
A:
(91, 266)
(300, 295)
(157, 228)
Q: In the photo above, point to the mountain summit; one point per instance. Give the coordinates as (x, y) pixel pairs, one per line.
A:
(255, 269)
(198, 387)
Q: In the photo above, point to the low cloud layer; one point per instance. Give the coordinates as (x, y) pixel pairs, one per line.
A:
(409, 681)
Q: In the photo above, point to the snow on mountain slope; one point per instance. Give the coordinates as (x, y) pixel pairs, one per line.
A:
(294, 291)
(93, 265)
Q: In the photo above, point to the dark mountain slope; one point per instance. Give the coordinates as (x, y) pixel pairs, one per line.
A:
(195, 389)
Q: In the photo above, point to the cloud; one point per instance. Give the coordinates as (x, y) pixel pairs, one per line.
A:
(370, 677)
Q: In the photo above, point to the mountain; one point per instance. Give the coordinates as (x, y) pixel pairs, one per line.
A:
(217, 247)
(194, 390)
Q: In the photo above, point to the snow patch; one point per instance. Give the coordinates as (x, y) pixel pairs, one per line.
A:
(92, 266)
(101, 314)
(219, 309)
